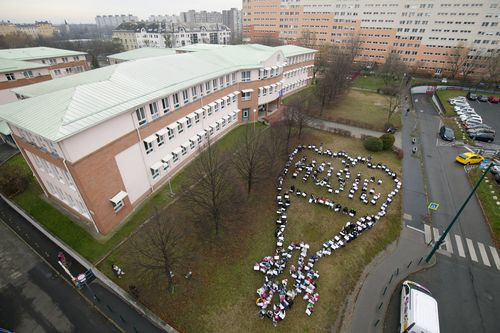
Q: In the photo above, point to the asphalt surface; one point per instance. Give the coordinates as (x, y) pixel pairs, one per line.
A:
(491, 115)
(107, 302)
(35, 299)
(465, 280)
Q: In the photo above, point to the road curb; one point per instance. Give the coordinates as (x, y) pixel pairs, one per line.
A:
(117, 290)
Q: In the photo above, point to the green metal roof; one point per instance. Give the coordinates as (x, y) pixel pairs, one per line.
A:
(294, 50)
(200, 47)
(4, 128)
(142, 53)
(31, 53)
(7, 65)
(63, 107)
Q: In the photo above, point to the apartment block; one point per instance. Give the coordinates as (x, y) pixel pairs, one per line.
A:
(232, 19)
(101, 142)
(423, 33)
(38, 29)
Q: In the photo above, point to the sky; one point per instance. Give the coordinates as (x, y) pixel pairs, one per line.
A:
(85, 11)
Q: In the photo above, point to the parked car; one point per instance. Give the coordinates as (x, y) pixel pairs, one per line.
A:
(472, 131)
(478, 126)
(468, 123)
(469, 158)
(495, 169)
(482, 98)
(471, 96)
(494, 99)
(459, 102)
(446, 133)
(418, 309)
(484, 137)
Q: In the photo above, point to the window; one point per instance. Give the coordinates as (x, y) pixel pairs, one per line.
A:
(165, 105)
(196, 118)
(118, 205)
(52, 61)
(189, 122)
(183, 150)
(234, 99)
(217, 127)
(155, 173)
(247, 95)
(148, 146)
(57, 72)
(185, 96)
(228, 101)
(141, 116)
(214, 84)
(180, 128)
(160, 140)
(207, 87)
(170, 133)
(175, 157)
(201, 89)
(28, 74)
(199, 139)
(209, 111)
(227, 80)
(10, 76)
(69, 70)
(64, 59)
(222, 104)
(221, 82)
(175, 97)
(233, 78)
(75, 58)
(191, 144)
(194, 92)
(245, 76)
(223, 123)
(153, 109)
(216, 107)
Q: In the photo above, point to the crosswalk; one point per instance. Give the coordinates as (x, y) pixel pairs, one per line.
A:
(486, 255)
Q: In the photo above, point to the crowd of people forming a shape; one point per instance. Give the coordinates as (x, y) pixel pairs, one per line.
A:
(304, 276)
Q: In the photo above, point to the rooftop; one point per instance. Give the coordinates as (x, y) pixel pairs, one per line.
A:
(63, 107)
(32, 53)
(141, 53)
(293, 50)
(7, 65)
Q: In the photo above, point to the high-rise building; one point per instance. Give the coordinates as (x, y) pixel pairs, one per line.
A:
(101, 142)
(112, 21)
(192, 16)
(232, 19)
(424, 33)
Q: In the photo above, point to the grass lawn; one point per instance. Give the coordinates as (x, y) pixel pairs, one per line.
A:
(361, 109)
(77, 237)
(490, 207)
(220, 296)
(370, 82)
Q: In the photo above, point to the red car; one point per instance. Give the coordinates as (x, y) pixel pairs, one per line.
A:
(494, 99)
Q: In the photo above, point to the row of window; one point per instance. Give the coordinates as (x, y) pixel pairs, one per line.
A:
(186, 122)
(178, 154)
(42, 143)
(53, 61)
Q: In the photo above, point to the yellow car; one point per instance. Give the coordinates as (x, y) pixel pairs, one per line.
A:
(469, 158)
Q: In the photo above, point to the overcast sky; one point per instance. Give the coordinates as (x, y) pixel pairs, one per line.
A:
(84, 11)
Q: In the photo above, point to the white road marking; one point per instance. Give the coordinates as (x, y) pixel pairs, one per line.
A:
(472, 252)
(416, 229)
(447, 241)
(494, 254)
(468, 149)
(484, 256)
(435, 232)
(460, 246)
(407, 217)
(427, 232)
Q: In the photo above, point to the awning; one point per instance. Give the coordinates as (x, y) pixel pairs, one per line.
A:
(199, 112)
(260, 88)
(219, 121)
(182, 120)
(172, 127)
(267, 68)
(219, 101)
(162, 132)
(194, 139)
(204, 108)
(214, 125)
(274, 67)
(166, 159)
(236, 111)
(202, 133)
(119, 197)
(177, 151)
(185, 144)
(247, 90)
(230, 95)
(212, 105)
(150, 138)
(236, 92)
(156, 166)
(228, 118)
(191, 115)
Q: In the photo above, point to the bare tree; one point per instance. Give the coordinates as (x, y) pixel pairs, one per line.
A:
(157, 252)
(474, 61)
(209, 197)
(321, 61)
(391, 70)
(393, 104)
(456, 58)
(288, 123)
(308, 39)
(274, 148)
(300, 112)
(492, 67)
(248, 159)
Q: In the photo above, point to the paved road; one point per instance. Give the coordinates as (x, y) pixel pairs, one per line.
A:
(6, 152)
(110, 304)
(466, 279)
(35, 299)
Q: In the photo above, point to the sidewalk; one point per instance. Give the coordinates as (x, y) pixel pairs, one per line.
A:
(114, 304)
(357, 132)
(368, 303)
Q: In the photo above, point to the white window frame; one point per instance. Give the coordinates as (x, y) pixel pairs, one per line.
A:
(148, 147)
(245, 77)
(185, 96)
(207, 87)
(189, 122)
(246, 96)
(175, 99)
(214, 84)
(175, 157)
(155, 173)
(10, 76)
(165, 104)
(180, 128)
(194, 92)
(153, 110)
(196, 118)
(171, 133)
(141, 120)
(118, 206)
(160, 140)
(28, 74)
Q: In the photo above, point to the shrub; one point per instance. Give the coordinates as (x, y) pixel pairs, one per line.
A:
(387, 141)
(373, 144)
(13, 181)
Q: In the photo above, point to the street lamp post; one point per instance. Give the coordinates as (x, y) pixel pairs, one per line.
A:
(441, 239)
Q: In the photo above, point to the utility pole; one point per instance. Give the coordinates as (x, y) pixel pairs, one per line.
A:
(441, 239)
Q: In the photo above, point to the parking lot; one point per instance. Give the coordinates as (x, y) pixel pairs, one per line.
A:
(491, 115)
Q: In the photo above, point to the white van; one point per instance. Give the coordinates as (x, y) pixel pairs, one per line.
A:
(419, 310)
